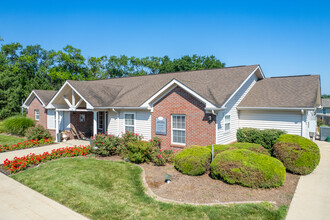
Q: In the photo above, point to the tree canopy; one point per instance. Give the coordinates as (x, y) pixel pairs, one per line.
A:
(23, 69)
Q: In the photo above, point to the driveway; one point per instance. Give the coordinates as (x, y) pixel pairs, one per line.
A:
(20, 202)
(39, 150)
(312, 197)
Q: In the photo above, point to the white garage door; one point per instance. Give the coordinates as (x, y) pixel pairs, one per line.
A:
(288, 121)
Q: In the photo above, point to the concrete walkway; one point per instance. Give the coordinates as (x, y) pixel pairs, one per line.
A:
(20, 202)
(312, 197)
(39, 150)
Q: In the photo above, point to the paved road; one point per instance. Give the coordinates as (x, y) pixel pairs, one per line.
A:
(20, 202)
(312, 197)
(39, 150)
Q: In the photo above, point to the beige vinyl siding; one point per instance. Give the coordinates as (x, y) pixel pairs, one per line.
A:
(142, 123)
(290, 121)
(222, 136)
(113, 123)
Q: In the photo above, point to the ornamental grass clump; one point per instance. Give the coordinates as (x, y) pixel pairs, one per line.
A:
(25, 144)
(298, 154)
(218, 148)
(248, 168)
(17, 124)
(22, 163)
(193, 161)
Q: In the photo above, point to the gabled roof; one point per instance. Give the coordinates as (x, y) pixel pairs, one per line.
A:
(284, 92)
(214, 85)
(326, 103)
(44, 96)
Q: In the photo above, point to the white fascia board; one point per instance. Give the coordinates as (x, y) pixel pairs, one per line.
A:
(50, 104)
(125, 108)
(276, 108)
(232, 95)
(167, 88)
(26, 103)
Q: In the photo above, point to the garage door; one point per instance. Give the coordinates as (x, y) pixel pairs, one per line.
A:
(288, 121)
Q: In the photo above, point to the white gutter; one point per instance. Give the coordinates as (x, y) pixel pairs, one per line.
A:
(275, 108)
(132, 108)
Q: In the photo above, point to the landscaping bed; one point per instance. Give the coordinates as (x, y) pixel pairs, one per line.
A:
(203, 189)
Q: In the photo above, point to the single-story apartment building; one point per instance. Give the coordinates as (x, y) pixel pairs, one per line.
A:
(199, 107)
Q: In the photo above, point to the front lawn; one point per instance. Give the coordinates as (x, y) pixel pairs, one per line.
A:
(10, 140)
(102, 189)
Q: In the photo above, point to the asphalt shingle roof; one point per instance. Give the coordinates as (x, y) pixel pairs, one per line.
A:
(292, 91)
(326, 103)
(215, 85)
(45, 95)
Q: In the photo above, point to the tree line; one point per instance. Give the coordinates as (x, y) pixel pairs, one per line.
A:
(23, 69)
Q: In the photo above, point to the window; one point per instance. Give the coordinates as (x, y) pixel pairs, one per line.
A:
(227, 122)
(100, 120)
(179, 129)
(36, 115)
(82, 117)
(129, 122)
(324, 111)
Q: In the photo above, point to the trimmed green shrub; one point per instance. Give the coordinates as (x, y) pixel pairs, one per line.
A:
(248, 168)
(138, 151)
(193, 161)
(266, 138)
(106, 145)
(37, 132)
(248, 146)
(17, 124)
(298, 154)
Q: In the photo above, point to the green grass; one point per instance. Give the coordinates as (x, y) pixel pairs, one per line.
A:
(10, 140)
(102, 189)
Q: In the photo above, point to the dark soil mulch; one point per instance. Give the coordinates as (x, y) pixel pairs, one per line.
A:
(204, 189)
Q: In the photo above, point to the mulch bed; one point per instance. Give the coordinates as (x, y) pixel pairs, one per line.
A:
(204, 189)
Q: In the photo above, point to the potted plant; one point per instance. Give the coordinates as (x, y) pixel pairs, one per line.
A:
(65, 135)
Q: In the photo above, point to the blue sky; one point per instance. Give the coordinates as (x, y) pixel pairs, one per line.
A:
(284, 37)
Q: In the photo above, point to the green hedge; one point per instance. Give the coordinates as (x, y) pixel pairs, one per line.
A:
(266, 138)
(193, 161)
(17, 124)
(298, 154)
(218, 148)
(248, 168)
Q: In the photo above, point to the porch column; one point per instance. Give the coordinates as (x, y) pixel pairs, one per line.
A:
(56, 126)
(94, 123)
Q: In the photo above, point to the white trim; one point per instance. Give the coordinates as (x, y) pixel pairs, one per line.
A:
(25, 104)
(167, 88)
(50, 104)
(128, 108)
(94, 123)
(275, 108)
(67, 102)
(232, 95)
(179, 129)
(35, 115)
(134, 121)
(224, 123)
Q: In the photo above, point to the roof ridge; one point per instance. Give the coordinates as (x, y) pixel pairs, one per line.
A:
(166, 73)
(291, 76)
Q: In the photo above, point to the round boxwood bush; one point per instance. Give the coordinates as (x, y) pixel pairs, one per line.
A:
(298, 154)
(248, 168)
(193, 161)
(17, 124)
(248, 146)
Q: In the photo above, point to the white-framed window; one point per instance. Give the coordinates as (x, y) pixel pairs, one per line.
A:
(82, 117)
(130, 122)
(179, 129)
(100, 120)
(227, 122)
(36, 115)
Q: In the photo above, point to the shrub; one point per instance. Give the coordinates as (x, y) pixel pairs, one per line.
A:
(266, 138)
(161, 156)
(193, 161)
(21, 163)
(38, 132)
(25, 144)
(248, 168)
(17, 124)
(106, 145)
(298, 154)
(139, 151)
(2, 127)
(129, 136)
(248, 146)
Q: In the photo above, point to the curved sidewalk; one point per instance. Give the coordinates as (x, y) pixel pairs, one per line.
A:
(312, 197)
(20, 202)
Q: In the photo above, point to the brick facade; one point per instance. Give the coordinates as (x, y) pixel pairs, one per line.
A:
(36, 105)
(199, 131)
(85, 129)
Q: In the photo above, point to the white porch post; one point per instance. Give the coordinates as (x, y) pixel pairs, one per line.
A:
(56, 126)
(94, 123)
